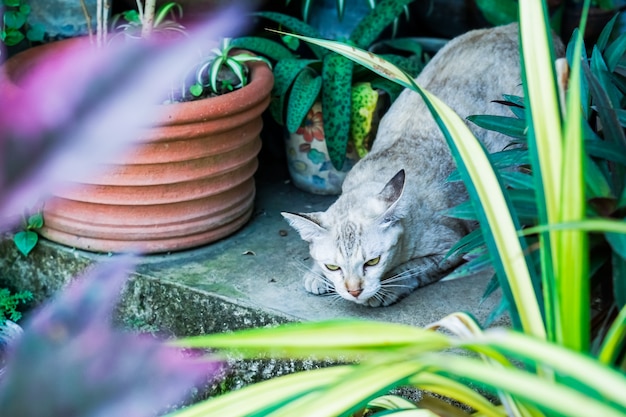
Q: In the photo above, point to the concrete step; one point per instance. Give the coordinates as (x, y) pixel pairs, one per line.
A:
(252, 278)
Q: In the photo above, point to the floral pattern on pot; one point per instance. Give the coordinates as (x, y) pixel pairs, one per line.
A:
(309, 164)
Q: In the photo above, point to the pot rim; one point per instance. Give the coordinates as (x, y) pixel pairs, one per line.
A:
(256, 91)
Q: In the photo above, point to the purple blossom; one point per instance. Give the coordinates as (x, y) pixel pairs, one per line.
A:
(64, 116)
(70, 361)
(81, 107)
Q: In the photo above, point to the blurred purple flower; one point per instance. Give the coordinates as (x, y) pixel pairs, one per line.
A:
(70, 361)
(59, 120)
(81, 107)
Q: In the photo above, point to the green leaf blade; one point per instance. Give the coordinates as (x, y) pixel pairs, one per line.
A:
(372, 25)
(337, 106)
(26, 241)
(305, 91)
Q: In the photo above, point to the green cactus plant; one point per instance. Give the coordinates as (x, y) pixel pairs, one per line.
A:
(301, 80)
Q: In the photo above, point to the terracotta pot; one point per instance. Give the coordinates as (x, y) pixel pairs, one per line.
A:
(187, 182)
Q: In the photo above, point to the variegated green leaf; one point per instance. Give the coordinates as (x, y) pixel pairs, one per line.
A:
(615, 340)
(391, 402)
(450, 388)
(329, 338)
(368, 60)
(263, 46)
(355, 389)
(529, 388)
(337, 106)
(265, 395)
(371, 26)
(609, 383)
(572, 276)
(305, 91)
(292, 24)
(498, 12)
(510, 126)
(364, 100)
(499, 226)
(285, 73)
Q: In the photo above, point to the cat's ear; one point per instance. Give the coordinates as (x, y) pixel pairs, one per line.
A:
(390, 195)
(307, 225)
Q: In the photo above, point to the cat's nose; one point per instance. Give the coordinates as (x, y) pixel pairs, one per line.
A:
(355, 293)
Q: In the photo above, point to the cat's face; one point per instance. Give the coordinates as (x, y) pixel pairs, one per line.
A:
(353, 246)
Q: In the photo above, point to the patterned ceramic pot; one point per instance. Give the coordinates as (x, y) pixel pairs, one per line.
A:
(309, 165)
(307, 156)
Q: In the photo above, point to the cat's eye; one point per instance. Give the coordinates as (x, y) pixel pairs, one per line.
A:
(373, 262)
(332, 267)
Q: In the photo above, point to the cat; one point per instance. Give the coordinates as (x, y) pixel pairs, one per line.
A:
(388, 233)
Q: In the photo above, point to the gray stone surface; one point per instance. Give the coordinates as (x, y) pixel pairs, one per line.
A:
(252, 278)
(261, 267)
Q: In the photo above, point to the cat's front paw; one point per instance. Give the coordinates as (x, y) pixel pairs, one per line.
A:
(382, 301)
(317, 284)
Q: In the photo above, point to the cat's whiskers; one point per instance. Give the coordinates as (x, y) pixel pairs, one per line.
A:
(402, 276)
(318, 277)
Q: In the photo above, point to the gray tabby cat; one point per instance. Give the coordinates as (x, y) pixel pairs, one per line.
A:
(387, 234)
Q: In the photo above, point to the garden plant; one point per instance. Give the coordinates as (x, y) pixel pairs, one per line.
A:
(303, 75)
(69, 347)
(547, 364)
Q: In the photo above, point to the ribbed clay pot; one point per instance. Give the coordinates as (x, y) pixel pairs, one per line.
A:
(188, 180)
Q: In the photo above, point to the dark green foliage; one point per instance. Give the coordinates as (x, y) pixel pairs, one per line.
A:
(304, 91)
(27, 239)
(604, 84)
(15, 27)
(336, 104)
(300, 76)
(372, 25)
(9, 303)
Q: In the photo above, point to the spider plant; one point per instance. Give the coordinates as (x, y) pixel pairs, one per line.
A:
(544, 366)
(141, 23)
(211, 73)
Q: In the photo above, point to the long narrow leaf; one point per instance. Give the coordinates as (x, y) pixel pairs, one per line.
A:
(586, 371)
(265, 394)
(614, 341)
(353, 391)
(545, 135)
(559, 399)
(460, 392)
(572, 277)
(588, 225)
(543, 103)
(334, 338)
(471, 156)
(297, 26)
(337, 106)
(304, 92)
